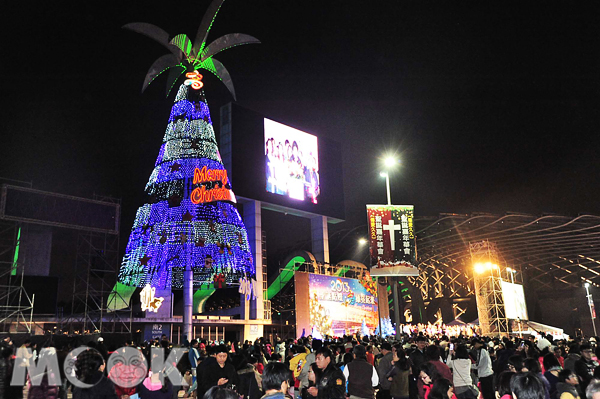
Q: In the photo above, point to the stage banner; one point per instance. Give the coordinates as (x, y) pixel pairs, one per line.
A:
(392, 240)
(341, 306)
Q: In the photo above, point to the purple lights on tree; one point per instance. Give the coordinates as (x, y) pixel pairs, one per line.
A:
(170, 231)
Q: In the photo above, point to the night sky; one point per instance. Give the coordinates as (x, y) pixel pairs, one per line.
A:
(490, 108)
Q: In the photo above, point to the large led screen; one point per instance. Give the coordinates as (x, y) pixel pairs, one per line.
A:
(288, 170)
(339, 305)
(514, 301)
(291, 162)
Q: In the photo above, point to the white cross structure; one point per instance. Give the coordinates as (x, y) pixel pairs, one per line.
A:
(391, 227)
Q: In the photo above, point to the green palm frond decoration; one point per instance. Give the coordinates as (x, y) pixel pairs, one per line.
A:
(185, 55)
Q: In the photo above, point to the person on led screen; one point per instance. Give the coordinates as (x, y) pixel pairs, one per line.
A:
(290, 172)
(270, 164)
(311, 179)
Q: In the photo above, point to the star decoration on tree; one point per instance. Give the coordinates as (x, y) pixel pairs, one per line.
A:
(194, 144)
(175, 167)
(144, 260)
(187, 216)
(174, 200)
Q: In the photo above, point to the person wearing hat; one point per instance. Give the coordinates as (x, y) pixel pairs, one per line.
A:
(364, 377)
(483, 365)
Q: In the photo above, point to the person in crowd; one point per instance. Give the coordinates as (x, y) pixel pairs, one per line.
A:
(558, 353)
(503, 385)
(417, 357)
(331, 383)
(584, 367)
(194, 357)
(483, 364)
(348, 357)
(552, 367)
(573, 356)
(314, 374)
(217, 373)
(434, 357)
(383, 368)
(6, 352)
(220, 393)
(276, 380)
(527, 386)
(428, 375)
(533, 366)
(310, 359)
(250, 380)
(155, 386)
(123, 374)
(44, 390)
(400, 374)
(442, 389)
(370, 355)
(297, 363)
(515, 364)
(90, 370)
(460, 363)
(593, 390)
(361, 375)
(567, 386)
(505, 350)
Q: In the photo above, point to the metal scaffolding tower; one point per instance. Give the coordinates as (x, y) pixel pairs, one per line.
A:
(97, 256)
(16, 306)
(488, 289)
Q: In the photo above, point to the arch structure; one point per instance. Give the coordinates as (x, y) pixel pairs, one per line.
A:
(550, 254)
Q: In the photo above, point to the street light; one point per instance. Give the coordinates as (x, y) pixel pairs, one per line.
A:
(591, 305)
(362, 241)
(387, 186)
(389, 162)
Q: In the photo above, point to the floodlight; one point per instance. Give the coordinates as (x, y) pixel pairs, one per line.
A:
(362, 241)
(479, 268)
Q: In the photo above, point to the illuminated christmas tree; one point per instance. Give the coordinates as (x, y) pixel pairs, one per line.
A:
(189, 223)
(189, 217)
(364, 330)
(320, 317)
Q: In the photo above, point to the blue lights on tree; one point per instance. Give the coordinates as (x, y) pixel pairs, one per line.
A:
(171, 230)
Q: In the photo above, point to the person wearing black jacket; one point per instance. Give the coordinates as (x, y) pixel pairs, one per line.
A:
(331, 383)
(217, 373)
(90, 370)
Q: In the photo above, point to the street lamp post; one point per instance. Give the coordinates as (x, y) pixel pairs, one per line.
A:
(387, 186)
(591, 306)
(390, 162)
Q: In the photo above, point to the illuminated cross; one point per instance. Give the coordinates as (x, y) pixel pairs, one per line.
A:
(391, 227)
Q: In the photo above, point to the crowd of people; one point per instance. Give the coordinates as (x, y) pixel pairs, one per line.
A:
(416, 366)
